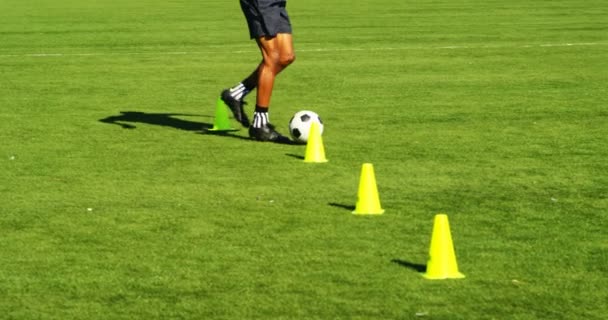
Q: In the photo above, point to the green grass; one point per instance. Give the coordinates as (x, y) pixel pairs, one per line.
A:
(492, 112)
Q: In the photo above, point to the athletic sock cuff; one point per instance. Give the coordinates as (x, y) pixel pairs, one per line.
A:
(261, 109)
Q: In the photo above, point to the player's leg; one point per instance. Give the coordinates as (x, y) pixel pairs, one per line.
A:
(269, 24)
(234, 96)
(277, 53)
(243, 88)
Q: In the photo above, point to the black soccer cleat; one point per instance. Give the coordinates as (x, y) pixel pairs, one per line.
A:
(236, 106)
(268, 133)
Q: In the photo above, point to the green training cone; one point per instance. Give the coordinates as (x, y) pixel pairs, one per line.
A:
(221, 122)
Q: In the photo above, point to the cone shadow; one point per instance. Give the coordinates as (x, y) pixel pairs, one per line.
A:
(342, 206)
(297, 156)
(410, 265)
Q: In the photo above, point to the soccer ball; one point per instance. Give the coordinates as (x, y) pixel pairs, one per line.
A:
(300, 123)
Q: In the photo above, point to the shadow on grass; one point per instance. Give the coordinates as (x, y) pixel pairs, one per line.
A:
(414, 266)
(128, 119)
(297, 156)
(343, 206)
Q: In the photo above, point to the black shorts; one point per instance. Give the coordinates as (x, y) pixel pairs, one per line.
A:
(266, 18)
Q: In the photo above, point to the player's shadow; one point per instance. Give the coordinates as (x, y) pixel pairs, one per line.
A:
(410, 265)
(128, 119)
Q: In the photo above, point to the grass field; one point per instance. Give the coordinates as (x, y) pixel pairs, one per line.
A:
(117, 204)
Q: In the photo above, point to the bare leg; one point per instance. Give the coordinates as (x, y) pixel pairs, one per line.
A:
(277, 54)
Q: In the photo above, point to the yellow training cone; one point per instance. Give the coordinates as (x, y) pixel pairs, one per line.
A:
(368, 201)
(442, 262)
(315, 152)
(221, 122)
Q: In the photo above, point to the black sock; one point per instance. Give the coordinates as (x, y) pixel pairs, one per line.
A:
(250, 83)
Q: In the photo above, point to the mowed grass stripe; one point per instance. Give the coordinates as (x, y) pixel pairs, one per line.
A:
(447, 47)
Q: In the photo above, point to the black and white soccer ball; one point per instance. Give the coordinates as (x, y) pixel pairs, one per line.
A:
(299, 125)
